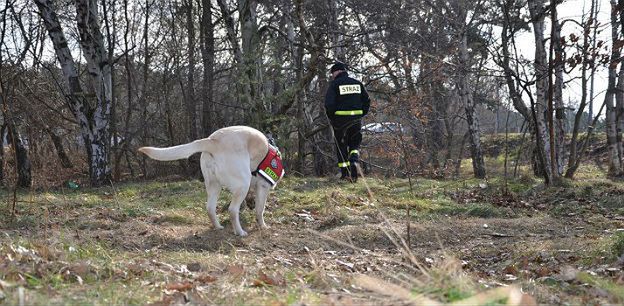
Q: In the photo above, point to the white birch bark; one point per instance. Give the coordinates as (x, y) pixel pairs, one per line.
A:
(615, 162)
(536, 9)
(95, 53)
(560, 115)
(93, 120)
(467, 98)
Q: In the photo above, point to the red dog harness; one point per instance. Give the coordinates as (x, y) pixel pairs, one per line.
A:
(271, 168)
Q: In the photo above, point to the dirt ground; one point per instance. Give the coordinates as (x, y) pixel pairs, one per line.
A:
(153, 243)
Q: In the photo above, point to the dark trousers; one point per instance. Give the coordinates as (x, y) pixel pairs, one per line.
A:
(347, 131)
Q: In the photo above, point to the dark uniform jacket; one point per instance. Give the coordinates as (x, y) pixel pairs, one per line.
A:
(346, 97)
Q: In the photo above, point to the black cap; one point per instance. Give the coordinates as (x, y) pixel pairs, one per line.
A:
(337, 66)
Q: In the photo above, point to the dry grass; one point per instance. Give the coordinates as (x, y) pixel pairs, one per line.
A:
(142, 243)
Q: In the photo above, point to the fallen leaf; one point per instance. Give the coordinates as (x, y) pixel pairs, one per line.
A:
(185, 286)
(236, 270)
(511, 269)
(194, 267)
(177, 298)
(266, 280)
(543, 271)
(206, 278)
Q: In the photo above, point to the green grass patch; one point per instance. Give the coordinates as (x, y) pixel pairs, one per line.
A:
(611, 287)
(471, 210)
(174, 219)
(617, 245)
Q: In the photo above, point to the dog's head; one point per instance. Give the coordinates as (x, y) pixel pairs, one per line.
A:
(271, 139)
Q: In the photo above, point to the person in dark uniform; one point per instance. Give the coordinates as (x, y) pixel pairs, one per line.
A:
(346, 102)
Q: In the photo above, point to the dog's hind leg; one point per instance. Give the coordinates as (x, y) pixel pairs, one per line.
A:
(211, 204)
(213, 188)
(262, 193)
(236, 177)
(238, 196)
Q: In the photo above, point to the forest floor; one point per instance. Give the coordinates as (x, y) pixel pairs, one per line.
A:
(152, 242)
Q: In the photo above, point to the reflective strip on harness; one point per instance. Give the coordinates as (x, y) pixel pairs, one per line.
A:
(354, 152)
(349, 113)
(271, 168)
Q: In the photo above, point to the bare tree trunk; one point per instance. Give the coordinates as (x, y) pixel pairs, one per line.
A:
(93, 120)
(560, 113)
(143, 100)
(615, 161)
(539, 107)
(573, 159)
(619, 97)
(92, 44)
(460, 155)
(250, 41)
(111, 32)
(336, 36)
(3, 130)
(619, 116)
(230, 31)
(515, 95)
(592, 17)
(466, 95)
(298, 98)
(191, 107)
(24, 174)
(208, 53)
(129, 89)
(60, 149)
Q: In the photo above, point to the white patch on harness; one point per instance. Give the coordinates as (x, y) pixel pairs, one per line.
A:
(349, 89)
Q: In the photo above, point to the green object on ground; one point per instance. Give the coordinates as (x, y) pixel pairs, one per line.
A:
(72, 185)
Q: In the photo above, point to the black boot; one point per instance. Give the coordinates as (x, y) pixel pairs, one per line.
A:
(354, 159)
(354, 172)
(344, 173)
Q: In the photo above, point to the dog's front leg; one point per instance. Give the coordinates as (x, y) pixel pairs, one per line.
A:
(262, 193)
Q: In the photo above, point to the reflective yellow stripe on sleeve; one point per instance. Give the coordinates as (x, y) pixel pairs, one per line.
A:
(349, 112)
(343, 165)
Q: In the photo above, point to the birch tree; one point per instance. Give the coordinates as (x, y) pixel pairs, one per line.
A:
(466, 91)
(539, 106)
(92, 116)
(588, 55)
(556, 93)
(613, 136)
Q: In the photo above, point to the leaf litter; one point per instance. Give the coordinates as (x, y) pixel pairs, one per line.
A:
(186, 262)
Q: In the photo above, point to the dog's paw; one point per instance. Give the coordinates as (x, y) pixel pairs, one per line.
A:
(264, 226)
(242, 233)
(219, 227)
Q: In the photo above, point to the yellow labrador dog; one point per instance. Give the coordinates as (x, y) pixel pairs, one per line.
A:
(228, 158)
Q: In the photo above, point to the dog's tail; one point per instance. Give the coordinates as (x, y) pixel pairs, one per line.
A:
(178, 152)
